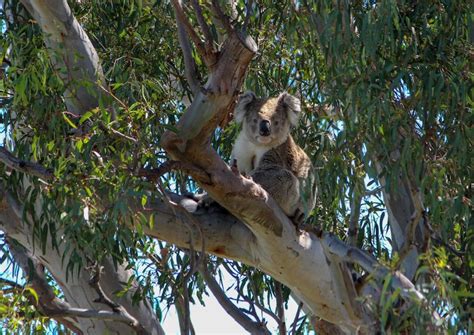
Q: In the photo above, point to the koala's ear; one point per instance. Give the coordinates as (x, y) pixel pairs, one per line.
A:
(242, 106)
(293, 106)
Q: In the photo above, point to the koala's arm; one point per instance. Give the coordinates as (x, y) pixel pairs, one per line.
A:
(243, 155)
(281, 184)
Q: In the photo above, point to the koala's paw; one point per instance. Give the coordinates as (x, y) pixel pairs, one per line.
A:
(297, 218)
(234, 168)
(205, 201)
(209, 205)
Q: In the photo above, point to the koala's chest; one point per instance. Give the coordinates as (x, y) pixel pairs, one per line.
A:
(247, 155)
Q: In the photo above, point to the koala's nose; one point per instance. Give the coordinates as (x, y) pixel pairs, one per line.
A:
(264, 128)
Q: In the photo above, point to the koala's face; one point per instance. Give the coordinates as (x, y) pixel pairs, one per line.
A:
(267, 121)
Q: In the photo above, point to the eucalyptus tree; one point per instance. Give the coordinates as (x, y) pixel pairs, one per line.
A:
(116, 117)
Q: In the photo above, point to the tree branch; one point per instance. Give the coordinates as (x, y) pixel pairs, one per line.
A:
(208, 40)
(29, 168)
(223, 234)
(416, 217)
(280, 308)
(208, 58)
(242, 319)
(190, 69)
(70, 49)
(120, 312)
(221, 17)
(351, 254)
(48, 303)
(76, 289)
(354, 218)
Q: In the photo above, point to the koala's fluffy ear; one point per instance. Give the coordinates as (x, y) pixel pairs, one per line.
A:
(293, 106)
(242, 106)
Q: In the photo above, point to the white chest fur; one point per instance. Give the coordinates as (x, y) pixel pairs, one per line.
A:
(247, 154)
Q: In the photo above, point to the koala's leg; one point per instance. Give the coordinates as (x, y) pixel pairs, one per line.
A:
(282, 185)
(209, 205)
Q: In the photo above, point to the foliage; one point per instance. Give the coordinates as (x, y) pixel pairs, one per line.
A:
(396, 73)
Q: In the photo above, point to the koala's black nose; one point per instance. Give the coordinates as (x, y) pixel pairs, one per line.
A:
(264, 128)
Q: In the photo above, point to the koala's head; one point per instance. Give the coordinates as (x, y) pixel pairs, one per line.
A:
(267, 121)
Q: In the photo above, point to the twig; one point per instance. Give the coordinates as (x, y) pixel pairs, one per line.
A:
(259, 305)
(168, 166)
(30, 168)
(297, 316)
(376, 190)
(104, 127)
(181, 299)
(10, 283)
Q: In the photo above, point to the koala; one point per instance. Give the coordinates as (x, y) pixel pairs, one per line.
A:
(265, 151)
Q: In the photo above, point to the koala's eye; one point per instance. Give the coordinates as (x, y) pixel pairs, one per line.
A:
(276, 123)
(254, 120)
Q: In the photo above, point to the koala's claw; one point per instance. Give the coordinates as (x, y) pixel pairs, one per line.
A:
(297, 218)
(233, 167)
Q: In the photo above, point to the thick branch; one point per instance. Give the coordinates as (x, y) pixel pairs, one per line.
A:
(70, 49)
(30, 168)
(223, 235)
(370, 264)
